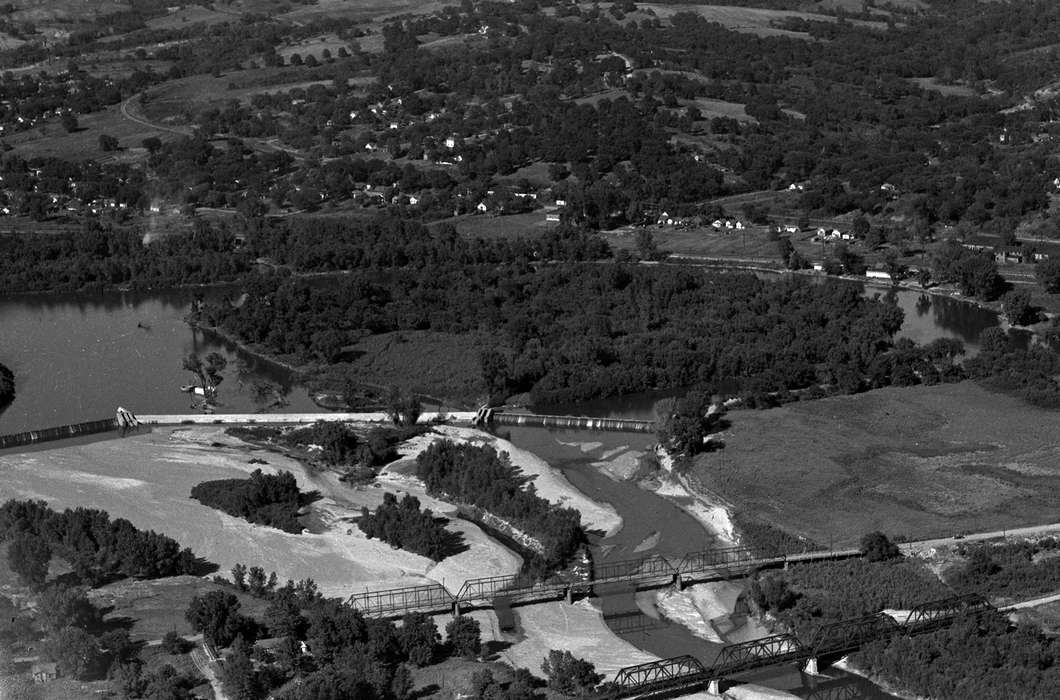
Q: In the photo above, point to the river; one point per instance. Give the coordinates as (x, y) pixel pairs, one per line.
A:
(77, 357)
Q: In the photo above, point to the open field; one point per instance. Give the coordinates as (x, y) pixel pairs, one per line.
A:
(942, 89)
(752, 20)
(482, 226)
(361, 9)
(153, 608)
(436, 364)
(919, 462)
(190, 14)
(51, 140)
(1045, 616)
(720, 108)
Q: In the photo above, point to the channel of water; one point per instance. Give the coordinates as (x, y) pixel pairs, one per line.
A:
(76, 357)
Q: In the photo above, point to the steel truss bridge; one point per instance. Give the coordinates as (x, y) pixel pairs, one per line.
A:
(653, 571)
(686, 673)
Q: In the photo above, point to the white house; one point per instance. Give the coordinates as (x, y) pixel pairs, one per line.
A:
(450, 143)
(878, 275)
(791, 229)
(552, 218)
(481, 207)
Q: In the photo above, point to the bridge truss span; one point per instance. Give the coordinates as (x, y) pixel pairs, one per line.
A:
(398, 601)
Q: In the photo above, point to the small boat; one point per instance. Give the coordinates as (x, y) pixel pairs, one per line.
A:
(188, 388)
(145, 326)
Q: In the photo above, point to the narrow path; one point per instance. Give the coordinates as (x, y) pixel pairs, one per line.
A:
(143, 122)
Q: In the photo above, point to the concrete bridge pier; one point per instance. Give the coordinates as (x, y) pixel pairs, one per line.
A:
(568, 595)
(714, 687)
(811, 667)
(679, 583)
(456, 608)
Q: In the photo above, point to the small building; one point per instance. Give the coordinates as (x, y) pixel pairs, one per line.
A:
(44, 671)
(481, 207)
(878, 275)
(552, 218)
(790, 228)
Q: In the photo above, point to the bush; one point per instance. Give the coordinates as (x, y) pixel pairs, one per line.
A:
(569, 675)
(266, 499)
(403, 525)
(465, 636)
(876, 547)
(173, 643)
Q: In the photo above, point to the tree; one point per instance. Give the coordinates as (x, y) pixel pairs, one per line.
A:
(73, 650)
(1018, 308)
(876, 547)
(208, 370)
(283, 617)
(28, 556)
(419, 638)
(403, 407)
(1048, 274)
(647, 249)
(108, 143)
(173, 643)
(465, 636)
(69, 121)
(152, 144)
(239, 679)
(216, 615)
(569, 675)
(66, 606)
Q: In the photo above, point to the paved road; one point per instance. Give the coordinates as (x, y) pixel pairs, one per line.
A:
(920, 545)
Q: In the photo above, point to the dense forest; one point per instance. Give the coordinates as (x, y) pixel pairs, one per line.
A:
(266, 499)
(403, 525)
(806, 596)
(7, 385)
(569, 332)
(984, 657)
(480, 476)
(95, 546)
(1012, 571)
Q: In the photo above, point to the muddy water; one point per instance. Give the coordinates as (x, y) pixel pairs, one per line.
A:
(654, 525)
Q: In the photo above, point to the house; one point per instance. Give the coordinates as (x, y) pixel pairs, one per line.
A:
(413, 200)
(796, 187)
(878, 275)
(791, 229)
(42, 672)
(561, 202)
(552, 218)
(1038, 257)
(818, 267)
(481, 207)
(450, 143)
(738, 225)
(1009, 255)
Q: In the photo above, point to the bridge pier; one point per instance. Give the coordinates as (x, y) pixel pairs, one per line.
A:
(569, 595)
(679, 583)
(811, 667)
(456, 608)
(714, 687)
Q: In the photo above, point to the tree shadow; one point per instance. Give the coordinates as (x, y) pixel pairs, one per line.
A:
(451, 543)
(493, 647)
(202, 567)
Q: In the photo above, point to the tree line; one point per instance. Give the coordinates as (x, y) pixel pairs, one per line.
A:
(7, 385)
(479, 476)
(95, 546)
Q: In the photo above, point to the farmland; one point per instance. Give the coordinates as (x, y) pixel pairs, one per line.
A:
(916, 462)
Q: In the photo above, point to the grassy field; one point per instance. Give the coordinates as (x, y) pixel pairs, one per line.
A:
(720, 108)
(51, 140)
(152, 608)
(436, 364)
(752, 20)
(483, 226)
(914, 461)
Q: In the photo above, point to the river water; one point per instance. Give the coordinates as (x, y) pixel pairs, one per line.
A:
(77, 357)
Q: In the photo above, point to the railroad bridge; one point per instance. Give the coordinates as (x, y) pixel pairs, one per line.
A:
(654, 571)
(686, 674)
